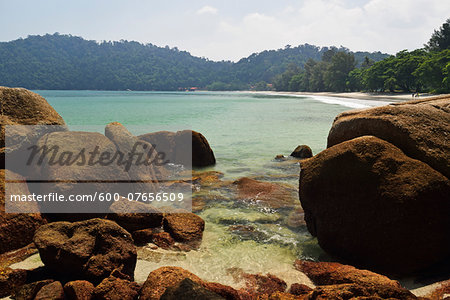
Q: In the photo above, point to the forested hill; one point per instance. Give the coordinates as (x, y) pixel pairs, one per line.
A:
(68, 62)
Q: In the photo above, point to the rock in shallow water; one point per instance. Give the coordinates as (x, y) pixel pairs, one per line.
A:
(89, 249)
(302, 151)
(184, 227)
(372, 205)
(174, 145)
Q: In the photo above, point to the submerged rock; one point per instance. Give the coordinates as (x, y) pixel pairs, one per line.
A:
(266, 194)
(17, 230)
(302, 151)
(89, 249)
(372, 205)
(419, 128)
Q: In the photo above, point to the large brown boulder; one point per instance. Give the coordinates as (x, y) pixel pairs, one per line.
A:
(144, 167)
(175, 144)
(88, 250)
(184, 227)
(79, 172)
(369, 203)
(419, 128)
(334, 279)
(19, 106)
(11, 280)
(160, 279)
(78, 290)
(52, 291)
(116, 287)
(16, 229)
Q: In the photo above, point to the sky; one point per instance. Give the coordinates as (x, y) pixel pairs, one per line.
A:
(232, 29)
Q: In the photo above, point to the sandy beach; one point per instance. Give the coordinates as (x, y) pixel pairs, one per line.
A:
(391, 97)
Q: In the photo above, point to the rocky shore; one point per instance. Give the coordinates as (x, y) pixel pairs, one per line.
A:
(376, 199)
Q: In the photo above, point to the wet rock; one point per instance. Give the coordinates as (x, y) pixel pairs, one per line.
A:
(257, 284)
(90, 249)
(366, 202)
(29, 291)
(296, 218)
(419, 128)
(16, 230)
(23, 107)
(299, 289)
(163, 240)
(208, 178)
(232, 216)
(280, 157)
(329, 273)
(282, 296)
(10, 280)
(263, 284)
(302, 151)
(266, 194)
(52, 291)
(116, 288)
(133, 215)
(184, 227)
(244, 231)
(78, 290)
(187, 290)
(224, 291)
(160, 279)
(143, 236)
(174, 146)
(357, 282)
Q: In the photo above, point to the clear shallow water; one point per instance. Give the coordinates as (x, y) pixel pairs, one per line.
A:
(245, 131)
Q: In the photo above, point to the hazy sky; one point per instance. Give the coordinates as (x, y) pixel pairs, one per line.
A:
(231, 29)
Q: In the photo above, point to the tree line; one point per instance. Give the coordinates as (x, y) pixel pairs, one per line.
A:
(421, 70)
(57, 61)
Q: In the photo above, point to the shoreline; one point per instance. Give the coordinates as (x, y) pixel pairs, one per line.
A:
(392, 97)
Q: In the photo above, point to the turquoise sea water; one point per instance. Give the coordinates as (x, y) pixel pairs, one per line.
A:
(245, 131)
